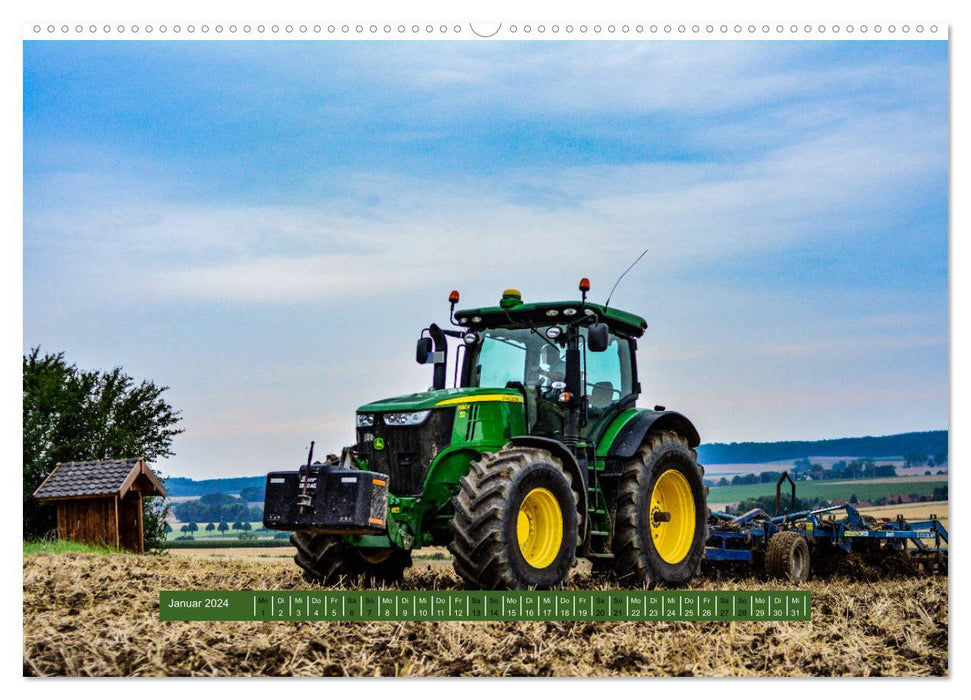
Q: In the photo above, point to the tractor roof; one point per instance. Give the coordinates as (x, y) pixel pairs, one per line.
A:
(512, 311)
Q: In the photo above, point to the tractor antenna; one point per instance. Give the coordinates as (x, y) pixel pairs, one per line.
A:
(607, 303)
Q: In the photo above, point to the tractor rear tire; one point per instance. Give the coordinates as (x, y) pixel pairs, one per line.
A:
(662, 514)
(327, 560)
(787, 557)
(516, 523)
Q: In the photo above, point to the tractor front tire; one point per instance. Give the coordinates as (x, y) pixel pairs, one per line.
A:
(787, 557)
(327, 560)
(516, 523)
(661, 524)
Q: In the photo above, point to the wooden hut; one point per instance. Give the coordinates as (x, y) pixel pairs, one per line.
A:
(100, 502)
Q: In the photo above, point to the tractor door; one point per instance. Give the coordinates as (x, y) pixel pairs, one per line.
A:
(545, 369)
(524, 359)
(609, 384)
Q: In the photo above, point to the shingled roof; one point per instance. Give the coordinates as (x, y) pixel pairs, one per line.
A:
(109, 477)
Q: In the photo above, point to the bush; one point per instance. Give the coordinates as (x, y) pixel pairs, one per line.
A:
(155, 515)
(767, 503)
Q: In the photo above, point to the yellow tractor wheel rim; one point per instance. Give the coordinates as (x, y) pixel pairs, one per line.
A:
(672, 517)
(539, 528)
(374, 556)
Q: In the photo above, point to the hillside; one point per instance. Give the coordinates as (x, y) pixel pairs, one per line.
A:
(178, 486)
(932, 442)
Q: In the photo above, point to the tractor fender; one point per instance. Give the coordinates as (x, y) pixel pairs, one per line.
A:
(632, 434)
(559, 450)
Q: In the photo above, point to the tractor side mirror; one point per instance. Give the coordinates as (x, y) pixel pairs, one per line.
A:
(597, 337)
(423, 351)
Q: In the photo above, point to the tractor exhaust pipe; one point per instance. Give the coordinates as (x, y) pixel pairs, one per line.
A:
(441, 351)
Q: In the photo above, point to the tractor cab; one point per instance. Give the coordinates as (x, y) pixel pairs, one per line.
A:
(526, 347)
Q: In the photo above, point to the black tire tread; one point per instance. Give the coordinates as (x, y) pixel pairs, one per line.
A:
(479, 557)
(778, 556)
(327, 560)
(630, 562)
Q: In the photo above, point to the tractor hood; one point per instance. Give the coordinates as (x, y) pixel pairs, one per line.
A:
(440, 398)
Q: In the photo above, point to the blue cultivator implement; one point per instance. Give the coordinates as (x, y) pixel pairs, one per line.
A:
(785, 545)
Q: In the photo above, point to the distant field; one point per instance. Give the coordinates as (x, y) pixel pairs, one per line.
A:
(201, 533)
(864, 489)
(226, 544)
(911, 511)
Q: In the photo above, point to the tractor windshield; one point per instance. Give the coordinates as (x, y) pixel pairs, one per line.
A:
(517, 355)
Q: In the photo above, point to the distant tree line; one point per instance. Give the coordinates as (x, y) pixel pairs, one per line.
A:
(932, 442)
(244, 529)
(253, 487)
(803, 469)
(216, 508)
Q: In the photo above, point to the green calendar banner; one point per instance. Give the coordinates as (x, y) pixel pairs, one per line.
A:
(485, 606)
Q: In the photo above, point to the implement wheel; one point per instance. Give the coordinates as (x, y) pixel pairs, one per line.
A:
(516, 524)
(327, 559)
(787, 557)
(661, 527)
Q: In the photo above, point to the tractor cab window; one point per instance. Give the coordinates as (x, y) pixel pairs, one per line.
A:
(501, 359)
(517, 355)
(607, 375)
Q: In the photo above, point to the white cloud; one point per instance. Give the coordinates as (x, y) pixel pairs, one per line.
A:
(413, 228)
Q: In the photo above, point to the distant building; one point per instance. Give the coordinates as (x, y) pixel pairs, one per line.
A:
(100, 502)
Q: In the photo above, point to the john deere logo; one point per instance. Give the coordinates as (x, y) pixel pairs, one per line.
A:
(379, 443)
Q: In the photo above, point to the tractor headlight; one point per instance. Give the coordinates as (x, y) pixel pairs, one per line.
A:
(365, 420)
(409, 418)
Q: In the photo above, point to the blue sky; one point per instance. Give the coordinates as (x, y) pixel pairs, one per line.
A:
(266, 227)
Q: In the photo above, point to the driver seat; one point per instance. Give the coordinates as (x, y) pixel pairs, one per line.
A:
(602, 395)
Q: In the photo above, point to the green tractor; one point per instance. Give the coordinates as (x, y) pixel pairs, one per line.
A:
(536, 456)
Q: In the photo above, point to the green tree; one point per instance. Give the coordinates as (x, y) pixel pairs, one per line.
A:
(167, 529)
(252, 494)
(73, 414)
(237, 525)
(184, 528)
(193, 527)
(210, 527)
(247, 527)
(218, 499)
(915, 459)
(223, 527)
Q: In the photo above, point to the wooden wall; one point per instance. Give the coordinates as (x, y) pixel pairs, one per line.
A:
(91, 520)
(130, 522)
